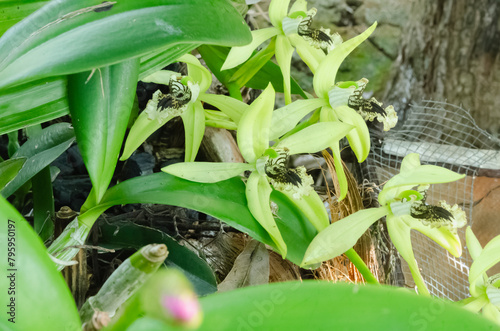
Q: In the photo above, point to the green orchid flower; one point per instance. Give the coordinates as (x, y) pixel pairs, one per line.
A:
(185, 100)
(291, 31)
(484, 290)
(268, 166)
(340, 101)
(405, 209)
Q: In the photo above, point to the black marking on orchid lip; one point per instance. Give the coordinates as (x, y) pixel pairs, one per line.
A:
(375, 108)
(367, 106)
(305, 30)
(277, 169)
(431, 213)
(179, 96)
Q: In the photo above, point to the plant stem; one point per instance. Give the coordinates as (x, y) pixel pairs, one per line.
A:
(234, 91)
(362, 267)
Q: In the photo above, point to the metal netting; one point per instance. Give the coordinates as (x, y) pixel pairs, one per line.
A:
(444, 135)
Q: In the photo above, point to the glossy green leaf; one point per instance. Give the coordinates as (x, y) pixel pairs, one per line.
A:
(100, 109)
(13, 11)
(33, 278)
(40, 150)
(342, 235)
(9, 169)
(43, 204)
(224, 200)
(316, 305)
(108, 33)
(126, 234)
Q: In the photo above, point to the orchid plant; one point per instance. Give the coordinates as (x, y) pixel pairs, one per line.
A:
(405, 208)
(484, 290)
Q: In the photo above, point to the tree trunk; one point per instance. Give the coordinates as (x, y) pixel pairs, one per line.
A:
(450, 53)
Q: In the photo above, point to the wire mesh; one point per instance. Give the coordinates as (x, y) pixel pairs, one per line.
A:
(444, 135)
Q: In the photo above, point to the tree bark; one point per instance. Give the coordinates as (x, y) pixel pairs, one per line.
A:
(450, 53)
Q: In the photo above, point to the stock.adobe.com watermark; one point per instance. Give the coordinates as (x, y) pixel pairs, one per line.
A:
(11, 271)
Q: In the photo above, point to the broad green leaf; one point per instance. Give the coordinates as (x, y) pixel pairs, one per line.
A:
(40, 150)
(32, 103)
(315, 138)
(258, 192)
(286, 118)
(126, 234)
(318, 305)
(46, 99)
(224, 200)
(122, 30)
(324, 79)
(9, 169)
(238, 55)
(14, 11)
(100, 109)
(342, 235)
(33, 278)
(253, 128)
(207, 172)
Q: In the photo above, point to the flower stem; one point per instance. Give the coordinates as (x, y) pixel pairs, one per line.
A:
(362, 267)
(234, 91)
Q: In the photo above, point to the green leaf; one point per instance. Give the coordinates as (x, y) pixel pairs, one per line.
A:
(14, 11)
(126, 234)
(34, 279)
(224, 200)
(206, 172)
(9, 169)
(40, 150)
(100, 109)
(126, 29)
(342, 235)
(43, 204)
(316, 305)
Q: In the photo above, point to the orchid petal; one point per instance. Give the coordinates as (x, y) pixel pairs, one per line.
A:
(161, 77)
(311, 56)
(315, 138)
(340, 236)
(474, 304)
(284, 52)
(487, 259)
(339, 171)
(230, 106)
(198, 72)
(278, 9)
(258, 192)
(324, 78)
(299, 6)
(218, 119)
(473, 245)
(206, 172)
(194, 128)
(142, 128)
(401, 238)
(442, 235)
(238, 55)
(253, 128)
(359, 137)
(492, 313)
(312, 206)
(286, 118)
